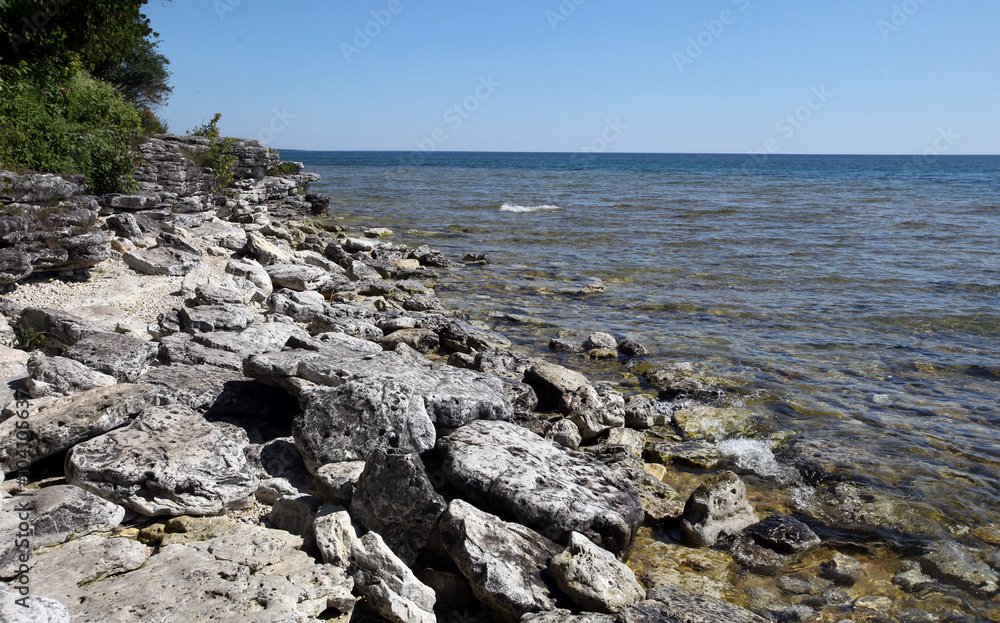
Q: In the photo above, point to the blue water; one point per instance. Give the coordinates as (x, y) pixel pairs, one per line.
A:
(852, 297)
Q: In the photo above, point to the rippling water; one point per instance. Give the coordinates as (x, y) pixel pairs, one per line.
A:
(853, 298)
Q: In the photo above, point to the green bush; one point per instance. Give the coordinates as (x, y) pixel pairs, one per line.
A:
(68, 123)
(218, 158)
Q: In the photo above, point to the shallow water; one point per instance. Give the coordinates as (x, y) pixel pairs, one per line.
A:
(853, 298)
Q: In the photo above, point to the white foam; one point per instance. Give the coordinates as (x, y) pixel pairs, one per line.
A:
(755, 456)
(513, 207)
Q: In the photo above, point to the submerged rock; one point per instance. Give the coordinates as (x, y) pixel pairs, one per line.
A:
(771, 544)
(676, 604)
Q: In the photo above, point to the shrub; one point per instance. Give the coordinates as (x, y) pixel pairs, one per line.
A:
(68, 123)
(218, 158)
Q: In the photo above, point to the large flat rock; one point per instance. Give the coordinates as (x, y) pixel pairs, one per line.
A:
(169, 461)
(452, 397)
(515, 473)
(69, 421)
(121, 356)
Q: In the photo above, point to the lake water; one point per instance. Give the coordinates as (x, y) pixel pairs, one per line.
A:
(856, 299)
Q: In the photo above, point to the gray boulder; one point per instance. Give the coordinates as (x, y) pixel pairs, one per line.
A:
(169, 461)
(770, 545)
(466, 337)
(162, 260)
(56, 328)
(71, 420)
(388, 584)
(395, 498)
(504, 363)
(350, 422)
(594, 578)
(565, 616)
(451, 396)
(299, 306)
(675, 604)
(61, 376)
(122, 356)
(335, 535)
(208, 318)
(182, 349)
(335, 482)
(600, 340)
(422, 340)
(254, 340)
(298, 277)
(56, 514)
(558, 388)
(505, 563)
(253, 272)
(543, 485)
(718, 506)
(280, 470)
(197, 387)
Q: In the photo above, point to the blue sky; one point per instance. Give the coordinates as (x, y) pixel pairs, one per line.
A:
(710, 76)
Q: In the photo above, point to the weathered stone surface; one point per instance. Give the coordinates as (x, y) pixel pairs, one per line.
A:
(504, 363)
(254, 340)
(600, 340)
(632, 348)
(122, 356)
(300, 306)
(58, 328)
(678, 605)
(543, 485)
(208, 318)
(660, 502)
(565, 616)
(718, 506)
(951, 563)
(169, 461)
(701, 455)
(335, 535)
(594, 578)
(505, 563)
(706, 422)
(181, 348)
(161, 260)
(241, 574)
(466, 337)
(86, 560)
(841, 569)
(253, 272)
(297, 277)
(421, 340)
(395, 498)
(280, 470)
(56, 514)
(772, 544)
(388, 584)
(350, 422)
(35, 609)
(335, 482)
(565, 433)
(195, 386)
(558, 388)
(452, 397)
(295, 514)
(61, 376)
(71, 420)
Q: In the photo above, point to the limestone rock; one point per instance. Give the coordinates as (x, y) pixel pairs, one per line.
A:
(505, 563)
(841, 569)
(62, 376)
(208, 318)
(162, 260)
(350, 422)
(71, 420)
(121, 356)
(56, 514)
(451, 397)
(676, 604)
(771, 544)
(600, 340)
(300, 306)
(88, 559)
(35, 609)
(280, 470)
(57, 328)
(950, 562)
(395, 498)
(565, 616)
(335, 535)
(169, 461)
(297, 276)
(543, 485)
(718, 506)
(335, 482)
(181, 348)
(422, 340)
(388, 584)
(594, 578)
(558, 388)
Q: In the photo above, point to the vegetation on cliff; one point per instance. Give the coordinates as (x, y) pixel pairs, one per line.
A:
(78, 85)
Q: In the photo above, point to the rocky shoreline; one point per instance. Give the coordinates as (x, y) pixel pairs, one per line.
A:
(227, 409)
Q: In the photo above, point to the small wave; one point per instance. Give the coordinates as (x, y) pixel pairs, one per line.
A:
(755, 456)
(513, 207)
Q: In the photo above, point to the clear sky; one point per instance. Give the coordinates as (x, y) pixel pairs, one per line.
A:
(730, 76)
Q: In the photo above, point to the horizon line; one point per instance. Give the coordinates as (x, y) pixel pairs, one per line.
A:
(632, 153)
